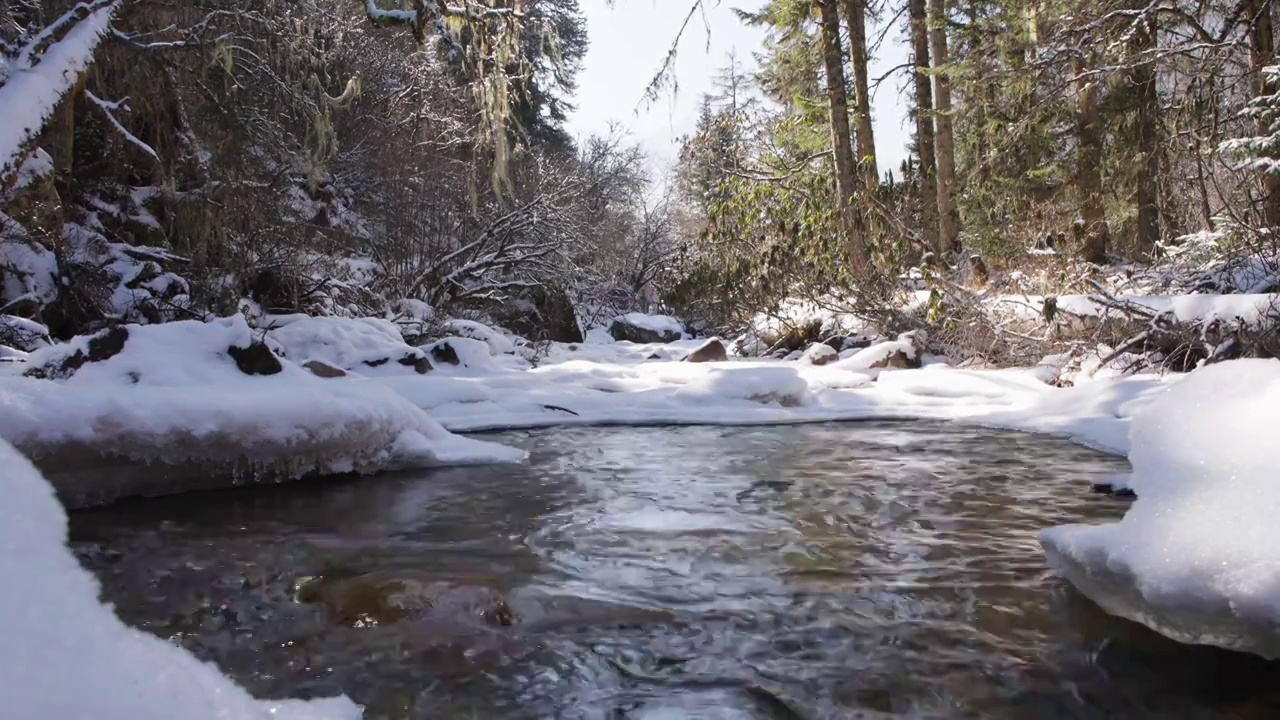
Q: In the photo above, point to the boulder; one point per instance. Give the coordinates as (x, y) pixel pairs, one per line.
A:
(712, 350)
(540, 313)
(419, 363)
(324, 370)
(819, 354)
(645, 329)
(901, 354)
(443, 353)
(459, 352)
(256, 359)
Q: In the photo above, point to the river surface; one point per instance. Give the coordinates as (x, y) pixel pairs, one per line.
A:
(822, 571)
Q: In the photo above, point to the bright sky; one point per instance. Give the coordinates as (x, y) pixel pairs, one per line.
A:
(629, 40)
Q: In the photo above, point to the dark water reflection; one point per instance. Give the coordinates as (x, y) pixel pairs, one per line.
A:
(868, 570)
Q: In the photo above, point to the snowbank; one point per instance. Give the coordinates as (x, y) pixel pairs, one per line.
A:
(1197, 557)
(66, 655)
(174, 395)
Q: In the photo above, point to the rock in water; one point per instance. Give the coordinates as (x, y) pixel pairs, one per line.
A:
(712, 350)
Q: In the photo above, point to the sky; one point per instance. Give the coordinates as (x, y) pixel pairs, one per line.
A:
(629, 41)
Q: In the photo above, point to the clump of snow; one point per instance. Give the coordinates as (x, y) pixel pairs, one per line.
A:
(498, 343)
(361, 344)
(66, 655)
(1200, 548)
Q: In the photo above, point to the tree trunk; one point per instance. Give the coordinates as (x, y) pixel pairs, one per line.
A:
(856, 18)
(924, 126)
(1092, 229)
(944, 139)
(841, 146)
(1143, 79)
(1262, 52)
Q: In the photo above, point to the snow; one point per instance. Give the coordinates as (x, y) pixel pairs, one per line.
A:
(1197, 556)
(174, 395)
(66, 655)
(27, 269)
(35, 85)
(819, 354)
(346, 343)
(654, 323)
(498, 343)
(37, 165)
(1184, 308)
(867, 357)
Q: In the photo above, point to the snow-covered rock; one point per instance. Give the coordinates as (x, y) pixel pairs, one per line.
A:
(644, 329)
(364, 345)
(905, 352)
(712, 350)
(459, 352)
(820, 354)
(66, 655)
(498, 343)
(1197, 556)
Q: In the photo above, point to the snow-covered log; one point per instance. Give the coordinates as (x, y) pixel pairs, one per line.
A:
(45, 69)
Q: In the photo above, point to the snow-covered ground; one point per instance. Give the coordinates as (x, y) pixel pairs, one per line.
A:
(66, 655)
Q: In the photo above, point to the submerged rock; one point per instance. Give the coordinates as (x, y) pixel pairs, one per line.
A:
(712, 350)
(377, 599)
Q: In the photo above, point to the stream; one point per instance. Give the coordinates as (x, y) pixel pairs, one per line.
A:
(860, 570)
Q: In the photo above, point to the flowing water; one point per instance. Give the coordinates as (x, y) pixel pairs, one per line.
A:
(823, 571)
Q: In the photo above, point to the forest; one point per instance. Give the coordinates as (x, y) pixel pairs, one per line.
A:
(167, 160)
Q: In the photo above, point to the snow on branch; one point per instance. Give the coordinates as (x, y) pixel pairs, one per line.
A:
(108, 109)
(44, 71)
